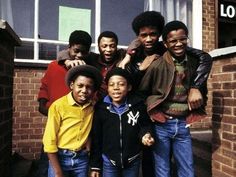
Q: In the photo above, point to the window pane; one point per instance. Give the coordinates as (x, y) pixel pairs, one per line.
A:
(49, 16)
(25, 51)
(23, 18)
(117, 16)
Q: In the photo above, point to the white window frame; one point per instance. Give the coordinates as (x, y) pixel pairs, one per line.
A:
(36, 41)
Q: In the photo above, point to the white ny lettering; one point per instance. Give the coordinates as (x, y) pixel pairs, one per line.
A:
(133, 118)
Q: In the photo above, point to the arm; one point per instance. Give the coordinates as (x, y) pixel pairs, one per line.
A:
(147, 61)
(50, 138)
(55, 164)
(145, 124)
(130, 51)
(195, 98)
(43, 96)
(63, 58)
(204, 67)
(43, 109)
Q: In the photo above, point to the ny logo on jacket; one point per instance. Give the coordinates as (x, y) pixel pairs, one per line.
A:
(133, 119)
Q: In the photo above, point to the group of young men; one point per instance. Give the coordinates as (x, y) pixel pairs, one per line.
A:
(110, 112)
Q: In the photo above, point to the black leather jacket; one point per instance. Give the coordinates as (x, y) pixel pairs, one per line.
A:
(201, 75)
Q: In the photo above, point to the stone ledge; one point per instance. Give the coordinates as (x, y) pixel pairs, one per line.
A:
(6, 32)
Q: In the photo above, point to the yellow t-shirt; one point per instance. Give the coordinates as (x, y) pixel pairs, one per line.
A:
(68, 125)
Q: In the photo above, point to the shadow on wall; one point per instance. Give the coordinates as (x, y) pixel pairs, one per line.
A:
(217, 116)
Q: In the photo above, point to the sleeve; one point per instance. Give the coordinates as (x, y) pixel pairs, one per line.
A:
(62, 56)
(51, 130)
(96, 146)
(204, 67)
(145, 86)
(133, 46)
(133, 68)
(145, 122)
(43, 90)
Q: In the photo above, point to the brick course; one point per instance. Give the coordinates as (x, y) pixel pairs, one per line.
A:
(28, 122)
(223, 116)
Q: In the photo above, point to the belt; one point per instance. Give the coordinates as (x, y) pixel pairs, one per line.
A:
(72, 151)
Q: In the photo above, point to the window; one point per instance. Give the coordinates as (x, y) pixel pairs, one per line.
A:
(186, 11)
(44, 25)
(117, 17)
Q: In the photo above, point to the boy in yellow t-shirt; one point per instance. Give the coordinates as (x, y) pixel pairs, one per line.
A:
(69, 124)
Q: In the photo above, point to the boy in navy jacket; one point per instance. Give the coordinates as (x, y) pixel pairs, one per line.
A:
(120, 125)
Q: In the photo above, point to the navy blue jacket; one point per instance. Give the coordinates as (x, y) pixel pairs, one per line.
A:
(118, 136)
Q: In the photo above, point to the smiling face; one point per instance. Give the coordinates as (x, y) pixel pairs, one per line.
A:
(176, 43)
(78, 51)
(107, 48)
(148, 37)
(118, 89)
(82, 89)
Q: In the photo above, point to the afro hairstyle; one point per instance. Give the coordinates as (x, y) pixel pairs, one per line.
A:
(80, 37)
(148, 18)
(173, 26)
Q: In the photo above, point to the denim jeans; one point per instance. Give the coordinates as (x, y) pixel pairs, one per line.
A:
(73, 164)
(109, 170)
(173, 136)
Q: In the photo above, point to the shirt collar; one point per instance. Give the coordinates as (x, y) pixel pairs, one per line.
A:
(72, 102)
(107, 99)
(182, 62)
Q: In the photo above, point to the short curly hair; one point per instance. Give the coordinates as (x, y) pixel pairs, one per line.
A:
(80, 37)
(108, 34)
(172, 26)
(148, 18)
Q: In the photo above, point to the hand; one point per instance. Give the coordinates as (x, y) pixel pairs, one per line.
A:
(94, 174)
(73, 63)
(125, 61)
(147, 139)
(147, 61)
(195, 99)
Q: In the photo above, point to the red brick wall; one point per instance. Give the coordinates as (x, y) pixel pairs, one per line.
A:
(223, 84)
(28, 123)
(209, 25)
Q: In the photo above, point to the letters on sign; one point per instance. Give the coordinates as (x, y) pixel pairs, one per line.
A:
(227, 11)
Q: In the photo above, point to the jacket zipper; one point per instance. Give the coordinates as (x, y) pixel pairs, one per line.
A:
(121, 142)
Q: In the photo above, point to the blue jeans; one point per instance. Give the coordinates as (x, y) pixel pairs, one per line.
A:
(73, 164)
(173, 136)
(109, 170)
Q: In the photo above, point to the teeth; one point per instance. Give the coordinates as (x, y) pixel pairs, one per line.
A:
(82, 97)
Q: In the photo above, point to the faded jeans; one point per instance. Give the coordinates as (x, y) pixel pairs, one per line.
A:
(73, 164)
(173, 136)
